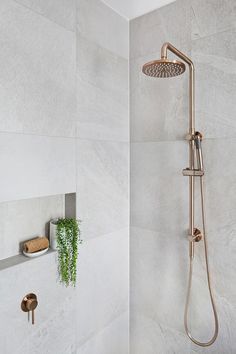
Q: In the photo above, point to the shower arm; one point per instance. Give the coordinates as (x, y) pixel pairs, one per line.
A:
(167, 46)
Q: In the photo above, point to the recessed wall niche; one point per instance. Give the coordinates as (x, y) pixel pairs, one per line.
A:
(27, 218)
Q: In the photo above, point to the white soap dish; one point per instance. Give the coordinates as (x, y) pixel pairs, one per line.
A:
(35, 254)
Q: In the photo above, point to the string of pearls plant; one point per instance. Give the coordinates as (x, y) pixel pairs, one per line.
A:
(68, 240)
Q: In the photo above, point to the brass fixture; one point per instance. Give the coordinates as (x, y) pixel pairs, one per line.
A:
(165, 68)
(29, 303)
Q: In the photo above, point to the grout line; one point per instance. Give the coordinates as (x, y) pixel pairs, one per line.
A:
(178, 140)
(233, 29)
(62, 137)
(42, 15)
(85, 37)
(100, 330)
(37, 134)
(117, 12)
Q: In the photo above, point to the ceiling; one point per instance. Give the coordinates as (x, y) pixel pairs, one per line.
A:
(134, 8)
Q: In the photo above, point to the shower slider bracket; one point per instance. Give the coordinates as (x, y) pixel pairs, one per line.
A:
(193, 172)
(196, 237)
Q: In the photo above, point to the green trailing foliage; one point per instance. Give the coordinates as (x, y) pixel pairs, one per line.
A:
(68, 240)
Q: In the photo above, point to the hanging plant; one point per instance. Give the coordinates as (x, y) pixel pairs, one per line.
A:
(68, 240)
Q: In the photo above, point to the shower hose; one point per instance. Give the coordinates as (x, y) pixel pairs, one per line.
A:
(211, 341)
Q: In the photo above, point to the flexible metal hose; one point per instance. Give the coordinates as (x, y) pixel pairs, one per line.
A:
(212, 340)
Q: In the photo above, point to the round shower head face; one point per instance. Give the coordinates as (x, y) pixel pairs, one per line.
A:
(164, 68)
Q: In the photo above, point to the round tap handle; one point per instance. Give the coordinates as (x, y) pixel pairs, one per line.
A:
(29, 303)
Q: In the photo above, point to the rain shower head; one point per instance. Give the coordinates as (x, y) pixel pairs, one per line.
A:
(164, 68)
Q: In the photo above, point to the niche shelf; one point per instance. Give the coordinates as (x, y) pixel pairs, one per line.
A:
(65, 206)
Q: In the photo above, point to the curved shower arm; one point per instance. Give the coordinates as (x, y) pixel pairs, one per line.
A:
(168, 46)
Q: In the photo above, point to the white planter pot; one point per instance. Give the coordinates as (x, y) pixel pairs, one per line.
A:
(53, 234)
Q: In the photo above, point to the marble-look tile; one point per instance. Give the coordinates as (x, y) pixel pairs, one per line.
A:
(101, 24)
(58, 335)
(170, 23)
(25, 219)
(38, 276)
(62, 12)
(211, 16)
(102, 186)
(151, 337)
(101, 115)
(102, 68)
(202, 323)
(158, 107)
(102, 292)
(112, 339)
(215, 59)
(220, 177)
(37, 73)
(36, 166)
(158, 276)
(159, 192)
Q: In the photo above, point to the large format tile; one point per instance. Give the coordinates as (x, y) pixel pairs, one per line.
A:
(102, 93)
(101, 115)
(221, 212)
(36, 166)
(25, 219)
(62, 12)
(112, 339)
(215, 58)
(38, 276)
(37, 73)
(151, 337)
(102, 186)
(170, 23)
(102, 68)
(158, 276)
(101, 24)
(158, 107)
(159, 192)
(203, 327)
(212, 16)
(102, 293)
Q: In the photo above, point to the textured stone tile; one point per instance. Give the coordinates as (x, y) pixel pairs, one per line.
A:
(102, 68)
(203, 327)
(37, 73)
(25, 219)
(102, 186)
(38, 276)
(215, 59)
(159, 192)
(100, 24)
(150, 337)
(102, 292)
(112, 339)
(101, 115)
(158, 107)
(62, 12)
(211, 16)
(170, 23)
(36, 166)
(158, 276)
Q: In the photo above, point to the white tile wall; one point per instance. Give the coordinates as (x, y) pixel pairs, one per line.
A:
(37, 73)
(36, 166)
(159, 194)
(62, 12)
(102, 186)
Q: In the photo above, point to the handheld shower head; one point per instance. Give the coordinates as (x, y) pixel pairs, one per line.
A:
(164, 68)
